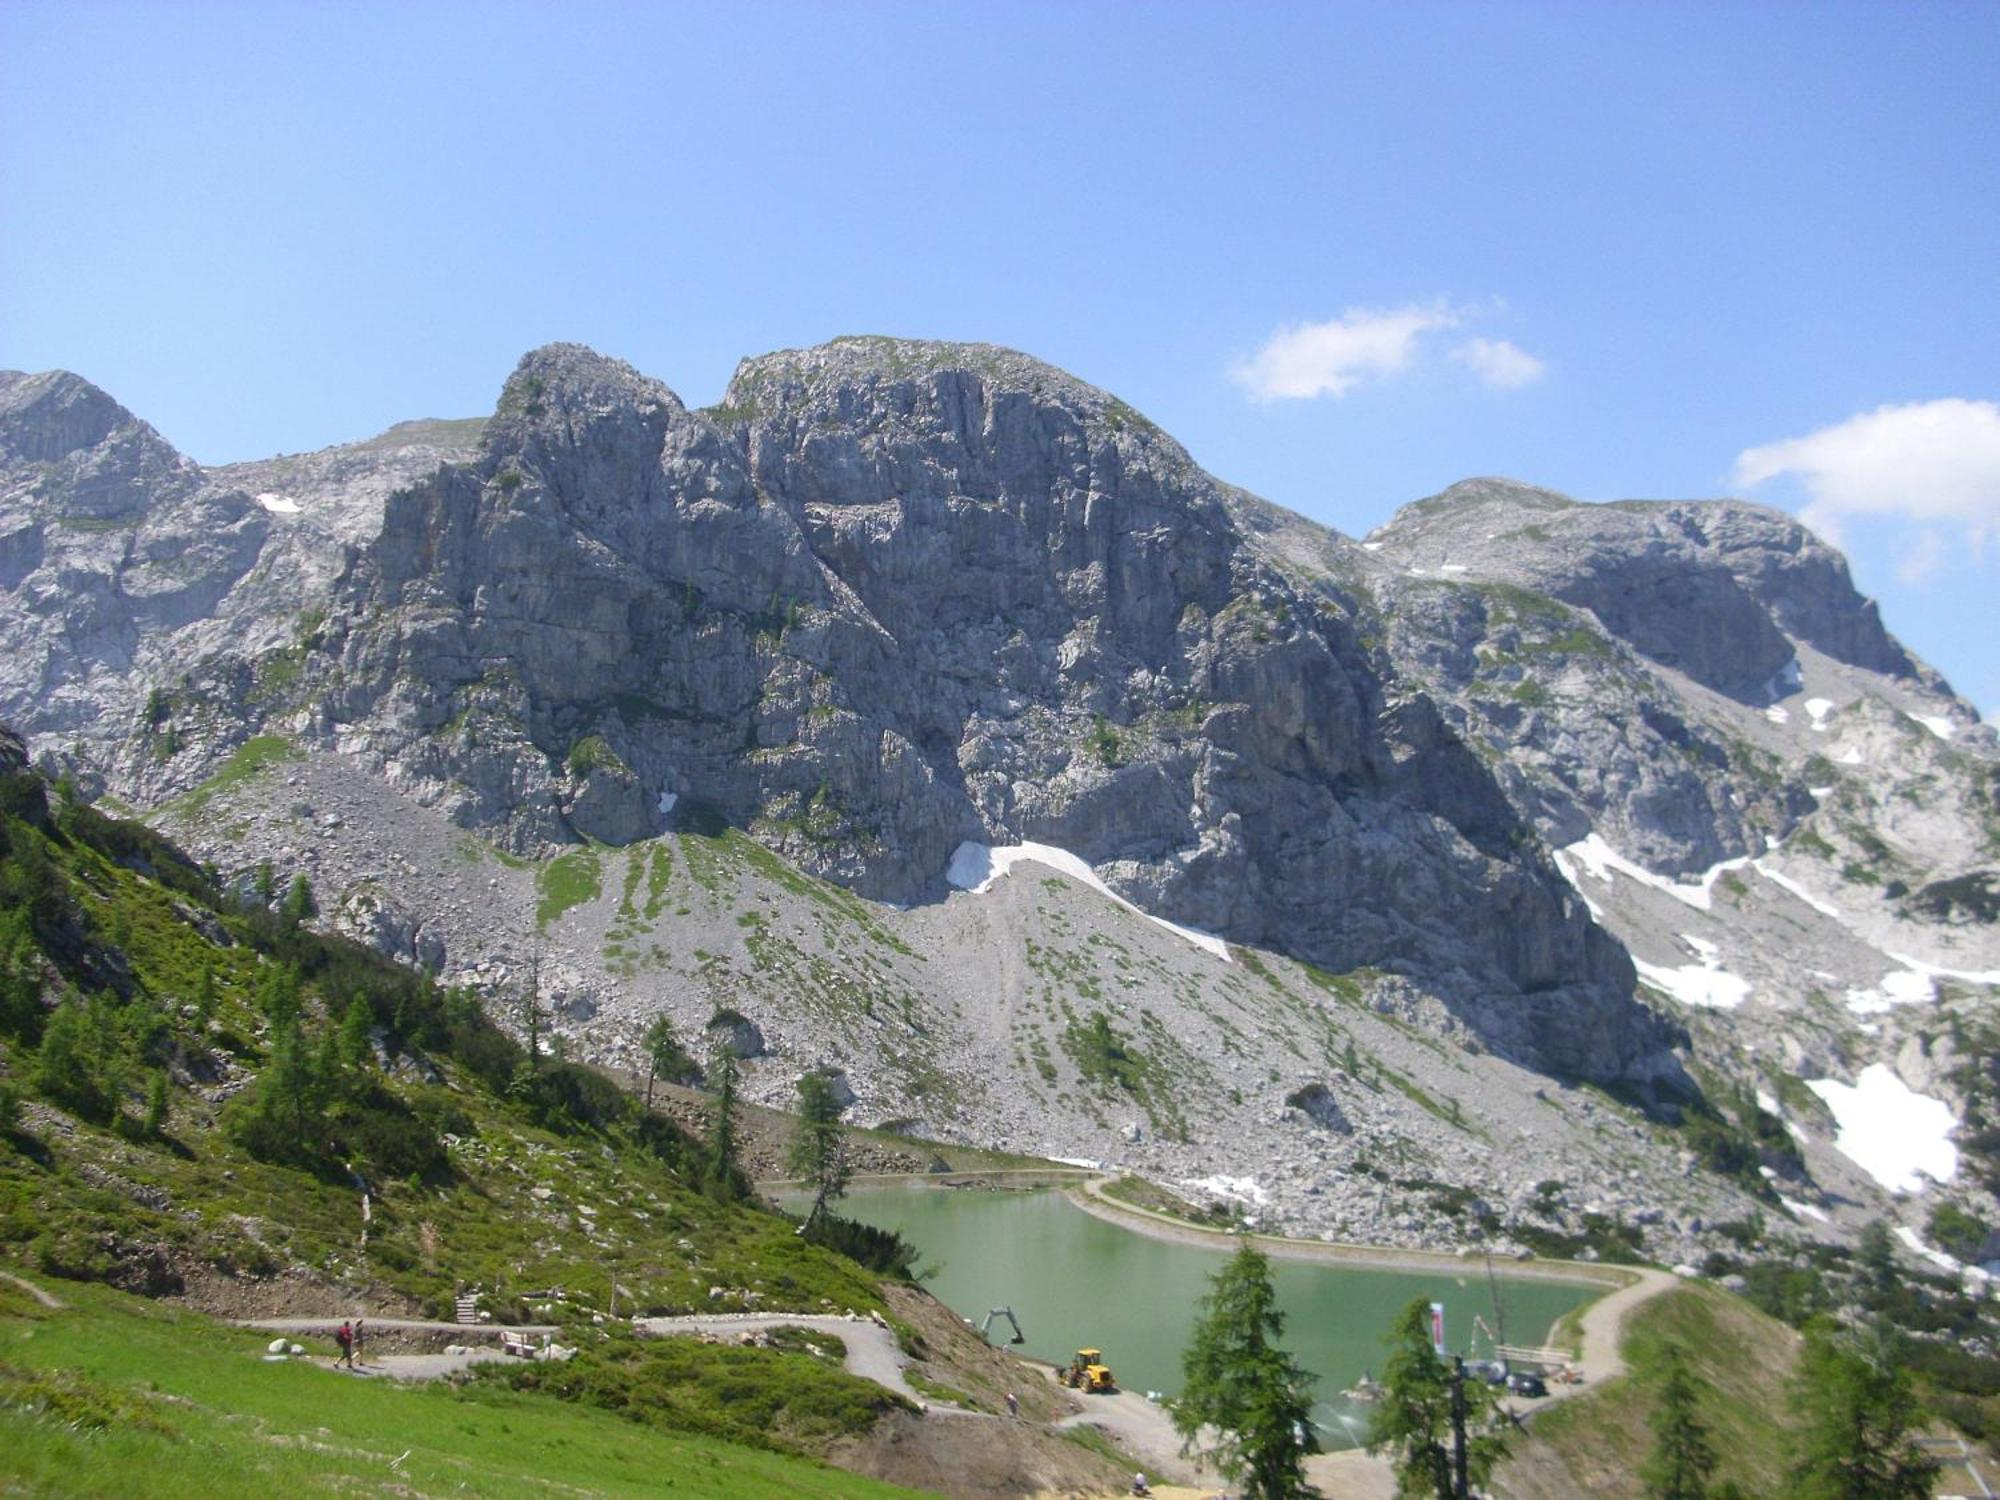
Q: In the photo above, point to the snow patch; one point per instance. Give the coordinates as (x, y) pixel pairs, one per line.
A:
(1600, 859)
(1937, 1257)
(1820, 793)
(1851, 756)
(1898, 987)
(1766, 1103)
(1817, 709)
(974, 867)
(1451, 568)
(1803, 1210)
(1893, 1133)
(279, 505)
(1937, 724)
(1371, 546)
(1706, 984)
(667, 801)
(1777, 715)
(1241, 1189)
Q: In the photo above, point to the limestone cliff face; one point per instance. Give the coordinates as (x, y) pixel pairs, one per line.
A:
(886, 598)
(1718, 590)
(890, 597)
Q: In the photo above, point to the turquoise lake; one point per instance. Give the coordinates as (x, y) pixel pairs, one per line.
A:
(1074, 1280)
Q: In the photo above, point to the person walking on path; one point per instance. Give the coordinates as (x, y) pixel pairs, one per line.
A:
(358, 1358)
(1013, 1405)
(345, 1339)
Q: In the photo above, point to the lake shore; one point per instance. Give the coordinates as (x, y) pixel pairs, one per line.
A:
(1091, 1198)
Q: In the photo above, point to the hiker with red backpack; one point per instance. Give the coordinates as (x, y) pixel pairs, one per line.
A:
(345, 1338)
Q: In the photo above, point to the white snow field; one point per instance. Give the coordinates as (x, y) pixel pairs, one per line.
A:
(1893, 1133)
(974, 867)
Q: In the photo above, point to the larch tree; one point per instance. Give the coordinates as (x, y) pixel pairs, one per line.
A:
(665, 1057)
(1682, 1457)
(1855, 1414)
(1413, 1420)
(723, 1174)
(819, 1145)
(1236, 1380)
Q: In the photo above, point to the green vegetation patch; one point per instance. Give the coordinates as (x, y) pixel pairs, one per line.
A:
(594, 753)
(759, 1397)
(251, 758)
(568, 880)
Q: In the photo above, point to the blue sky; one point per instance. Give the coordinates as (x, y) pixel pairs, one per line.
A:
(1348, 254)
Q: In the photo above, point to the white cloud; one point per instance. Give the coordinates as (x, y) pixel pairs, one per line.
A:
(1935, 463)
(1304, 360)
(1500, 365)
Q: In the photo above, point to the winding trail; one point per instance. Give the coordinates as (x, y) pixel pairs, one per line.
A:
(47, 1299)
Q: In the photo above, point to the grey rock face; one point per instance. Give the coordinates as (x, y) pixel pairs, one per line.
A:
(1712, 589)
(887, 598)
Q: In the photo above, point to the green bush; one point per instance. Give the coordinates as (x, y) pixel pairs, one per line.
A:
(760, 1397)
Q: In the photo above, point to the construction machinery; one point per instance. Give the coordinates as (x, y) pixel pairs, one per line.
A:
(1088, 1372)
(986, 1325)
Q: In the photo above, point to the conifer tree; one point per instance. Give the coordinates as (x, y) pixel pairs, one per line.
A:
(64, 1063)
(299, 903)
(723, 1174)
(156, 1104)
(1682, 1458)
(819, 1146)
(1412, 1421)
(357, 1051)
(204, 997)
(1237, 1380)
(665, 1057)
(1855, 1416)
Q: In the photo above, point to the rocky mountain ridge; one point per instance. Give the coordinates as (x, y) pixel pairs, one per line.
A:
(891, 599)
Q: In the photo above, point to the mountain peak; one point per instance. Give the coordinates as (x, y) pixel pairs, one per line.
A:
(47, 416)
(576, 380)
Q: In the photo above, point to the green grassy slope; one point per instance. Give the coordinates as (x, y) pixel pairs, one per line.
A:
(116, 1396)
(1592, 1445)
(194, 1092)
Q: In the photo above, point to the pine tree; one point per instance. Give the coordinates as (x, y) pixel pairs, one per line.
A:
(204, 997)
(357, 1051)
(65, 1069)
(299, 903)
(278, 994)
(20, 981)
(1855, 1415)
(724, 1176)
(665, 1057)
(156, 1104)
(1682, 1458)
(1413, 1419)
(819, 1146)
(1236, 1379)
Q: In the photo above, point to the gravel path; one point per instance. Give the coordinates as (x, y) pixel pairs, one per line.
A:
(1092, 1199)
(464, 1331)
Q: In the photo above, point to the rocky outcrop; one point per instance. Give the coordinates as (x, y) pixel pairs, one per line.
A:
(890, 597)
(1715, 589)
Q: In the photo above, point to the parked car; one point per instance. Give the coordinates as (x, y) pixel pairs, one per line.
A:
(1489, 1370)
(1526, 1383)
